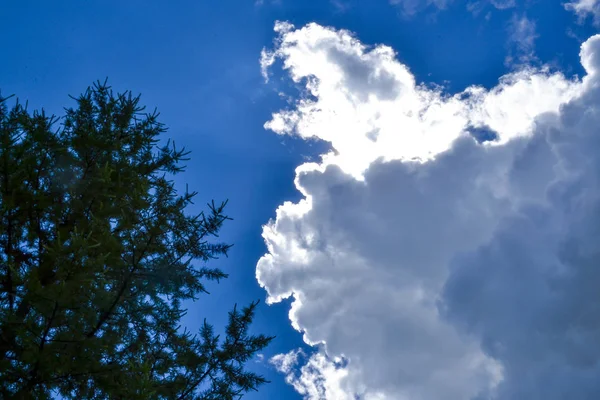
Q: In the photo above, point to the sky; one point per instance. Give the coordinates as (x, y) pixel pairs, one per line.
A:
(413, 184)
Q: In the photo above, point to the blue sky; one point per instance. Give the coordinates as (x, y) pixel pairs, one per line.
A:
(198, 62)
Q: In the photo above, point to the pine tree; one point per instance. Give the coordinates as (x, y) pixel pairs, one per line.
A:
(97, 255)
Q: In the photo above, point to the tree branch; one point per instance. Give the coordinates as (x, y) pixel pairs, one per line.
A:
(106, 314)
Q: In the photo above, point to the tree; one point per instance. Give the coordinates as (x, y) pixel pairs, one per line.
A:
(97, 256)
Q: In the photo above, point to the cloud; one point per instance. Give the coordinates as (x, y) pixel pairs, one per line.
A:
(584, 9)
(341, 5)
(503, 4)
(521, 38)
(260, 3)
(477, 6)
(529, 292)
(410, 7)
(370, 106)
(423, 261)
(318, 378)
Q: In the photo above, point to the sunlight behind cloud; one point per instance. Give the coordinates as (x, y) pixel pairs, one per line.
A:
(368, 104)
(385, 253)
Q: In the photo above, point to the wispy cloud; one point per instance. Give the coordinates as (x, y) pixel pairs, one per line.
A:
(521, 40)
(410, 7)
(259, 3)
(584, 9)
(341, 5)
(503, 4)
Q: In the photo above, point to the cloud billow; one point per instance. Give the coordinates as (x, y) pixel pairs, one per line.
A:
(432, 263)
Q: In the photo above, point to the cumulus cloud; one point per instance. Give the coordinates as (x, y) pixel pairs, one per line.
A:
(370, 106)
(529, 292)
(584, 9)
(447, 246)
(318, 377)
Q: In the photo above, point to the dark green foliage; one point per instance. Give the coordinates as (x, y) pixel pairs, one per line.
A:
(97, 255)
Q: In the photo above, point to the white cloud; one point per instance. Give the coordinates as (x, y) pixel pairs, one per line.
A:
(585, 8)
(365, 96)
(431, 265)
(522, 36)
(341, 5)
(410, 7)
(503, 4)
(260, 3)
(477, 6)
(318, 378)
